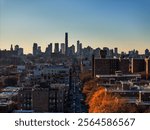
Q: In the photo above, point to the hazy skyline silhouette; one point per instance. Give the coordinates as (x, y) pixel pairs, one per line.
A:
(97, 23)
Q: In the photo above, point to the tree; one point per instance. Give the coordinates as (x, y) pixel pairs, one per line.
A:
(102, 102)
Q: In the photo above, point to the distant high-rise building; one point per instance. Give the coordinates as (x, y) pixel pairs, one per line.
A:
(111, 53)
(87, 52)
(39, 50)
(66, 43)
(62, 49)
(35, 49)
(71, 50)
(134, 54)
(56, 49)
(103, 53)
(147, 52)
(50, 48)
(97, 53)
(116, 51)
(11, 48)
(16, 47)
(106, 49)
(20, 51)
(79, 48)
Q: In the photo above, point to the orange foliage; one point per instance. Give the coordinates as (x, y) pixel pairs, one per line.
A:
(101, 102)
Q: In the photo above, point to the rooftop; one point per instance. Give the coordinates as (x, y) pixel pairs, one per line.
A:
(9, 92)
(5, 103)
(23, 111)
(11, 89)
(118, 76)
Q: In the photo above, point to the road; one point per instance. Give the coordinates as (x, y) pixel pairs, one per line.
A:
(77, 99)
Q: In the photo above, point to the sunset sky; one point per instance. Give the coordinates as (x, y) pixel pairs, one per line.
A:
(98, 23)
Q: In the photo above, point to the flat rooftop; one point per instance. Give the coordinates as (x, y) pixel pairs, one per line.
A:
(23, 111)
(11, 89)
(8, 94)
(5, 103)
(118, 76)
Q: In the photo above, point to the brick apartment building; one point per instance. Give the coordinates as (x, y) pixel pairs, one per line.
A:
(109, 66)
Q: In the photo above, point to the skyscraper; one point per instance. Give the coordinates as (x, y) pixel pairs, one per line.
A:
(48, 50)
(56, 49)
(79, 48)
(106, 49)
(35, 49)
(50, 46)
(39, 50)
(116, 52)
(16, 47)
(147, 52)
(71, 50)
(62, 50)
(11, 48)
(20, 51)
(66, 43)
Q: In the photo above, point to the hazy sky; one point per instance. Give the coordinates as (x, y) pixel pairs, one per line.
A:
(98, 23)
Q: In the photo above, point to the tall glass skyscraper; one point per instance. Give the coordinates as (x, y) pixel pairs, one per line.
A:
(66, 43)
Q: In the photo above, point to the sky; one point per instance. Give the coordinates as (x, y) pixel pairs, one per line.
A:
(97, 23)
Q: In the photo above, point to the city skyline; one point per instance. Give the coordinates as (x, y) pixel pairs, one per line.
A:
(98, 23)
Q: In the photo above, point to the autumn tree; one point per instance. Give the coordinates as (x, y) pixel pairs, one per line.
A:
(102, 102)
